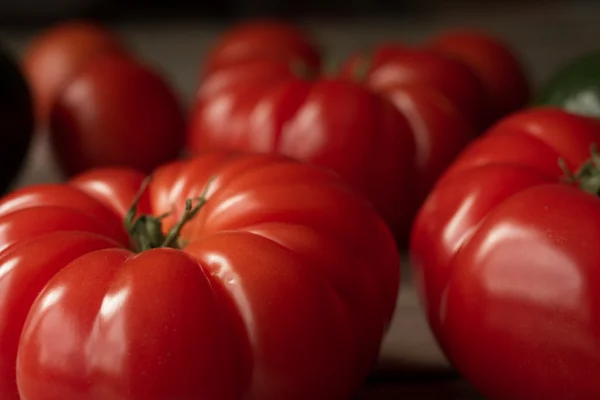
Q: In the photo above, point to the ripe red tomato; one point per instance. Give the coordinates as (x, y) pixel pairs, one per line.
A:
(258, 39)
(504, 77)
(269, 288)
(505, 251)
(116, 111)
(396, 64)
(265, 106)
(360, 63)
(59, 53)
(441, 130)
(441, 127)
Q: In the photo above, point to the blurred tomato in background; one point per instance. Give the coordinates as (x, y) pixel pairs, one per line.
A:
(259, 39)
(60, 52)
(116, 111)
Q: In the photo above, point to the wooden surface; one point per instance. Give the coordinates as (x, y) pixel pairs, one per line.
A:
(412, 366)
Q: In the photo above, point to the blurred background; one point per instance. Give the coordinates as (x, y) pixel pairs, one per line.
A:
(176, 33)
(26, 11)
(543, 32)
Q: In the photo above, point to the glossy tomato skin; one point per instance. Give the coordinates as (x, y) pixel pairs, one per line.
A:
(116, 112)
(526, 281)
(333, 123)
(110, 283)
(440, 129)
(441, 126)
(397, 64)
(30, 271)
(504, 77)
(263, 39)
(59, 53)
(491, 247)
(271, 293)
(17, 118)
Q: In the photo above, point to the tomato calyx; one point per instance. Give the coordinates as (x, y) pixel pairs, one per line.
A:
(587, 177)
(146, 230)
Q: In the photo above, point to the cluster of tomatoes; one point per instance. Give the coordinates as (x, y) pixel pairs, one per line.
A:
(248, 247)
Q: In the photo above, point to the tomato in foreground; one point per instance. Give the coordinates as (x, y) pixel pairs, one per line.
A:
(59, 53)
(263, 39)
(247, 279)
(16, 119)
(505, 250)
(503, 75)
(116, 112)
(267, 106)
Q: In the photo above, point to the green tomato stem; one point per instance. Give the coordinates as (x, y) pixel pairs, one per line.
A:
(587, 177)
(146, 231)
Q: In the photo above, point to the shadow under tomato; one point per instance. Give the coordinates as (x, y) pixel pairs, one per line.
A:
(434, 389)
(410, 379)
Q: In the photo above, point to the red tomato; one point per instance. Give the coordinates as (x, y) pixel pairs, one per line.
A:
(504, 77)
(263, 39)
(396, 64)
(263, 106)
(116, 111)
(59, 53)
(506, 254)
(360, 63)
(269, 289)
(441, 130)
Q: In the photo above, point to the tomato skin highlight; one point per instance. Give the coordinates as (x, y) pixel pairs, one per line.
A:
(116, 112)
(441, 97)
(61, 196)
(453, 211)
(524, 280)
(109, 282)
(269, 292)
(441, 131)
(503, 262)
(21, 267)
